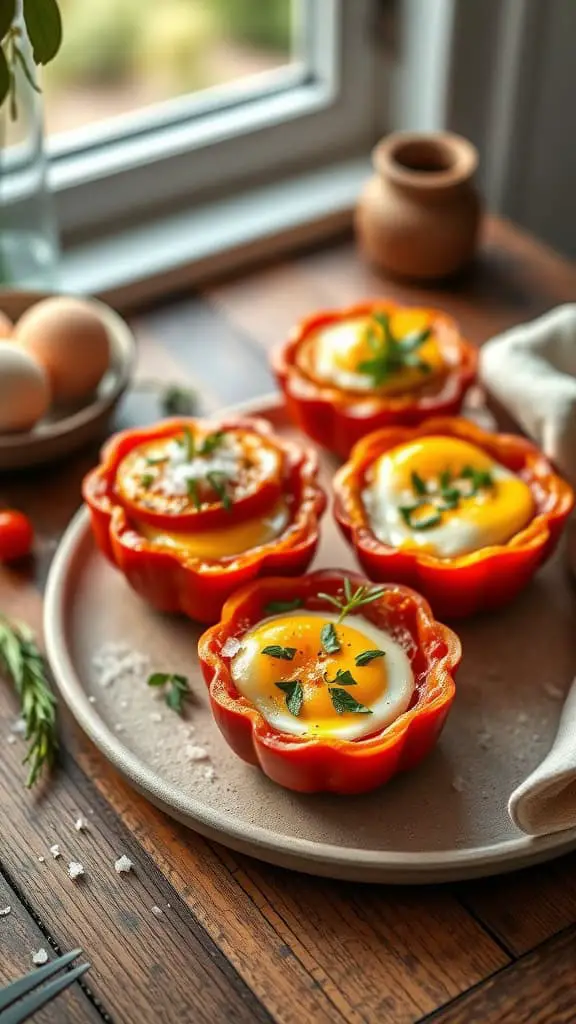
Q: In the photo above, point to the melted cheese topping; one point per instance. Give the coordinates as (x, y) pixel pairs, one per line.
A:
(333, 354)
(383, 687)
(482, 514)
(225, 541)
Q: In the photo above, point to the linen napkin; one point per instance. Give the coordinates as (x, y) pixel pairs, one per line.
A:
(531, 371)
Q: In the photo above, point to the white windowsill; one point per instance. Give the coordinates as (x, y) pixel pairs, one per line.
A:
(143, 263)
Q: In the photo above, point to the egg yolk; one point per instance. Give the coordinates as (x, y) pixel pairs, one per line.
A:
(445, 496)
(226, 541)
(356, 354)
(301, 686)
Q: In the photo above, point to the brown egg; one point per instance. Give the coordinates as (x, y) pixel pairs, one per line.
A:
(70, 340)
(24, 389)
(6, 325)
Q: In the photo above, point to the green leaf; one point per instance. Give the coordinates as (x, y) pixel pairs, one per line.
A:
(377, 368)
(344, 702)
(445, 479)
(192, 488)
(418, 484)
(218, 482)
(4, 77)
(343, 676)
(146, 479)
(277, 607)
(276, 651)
(294, 695)
(158, 679)
(365, 657)
(44, 27)
(412, 341)
(329, 639)
(211, 442)
(7, 15)
(189, 444)
(426, 522)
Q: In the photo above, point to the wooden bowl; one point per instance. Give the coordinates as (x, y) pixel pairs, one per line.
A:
(62, 431)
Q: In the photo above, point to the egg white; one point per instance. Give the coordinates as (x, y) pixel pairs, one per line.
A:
(386, 710)
(333, 345)
(456, 536)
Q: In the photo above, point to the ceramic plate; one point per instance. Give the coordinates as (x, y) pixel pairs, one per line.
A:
(445, 820)
(61, 432)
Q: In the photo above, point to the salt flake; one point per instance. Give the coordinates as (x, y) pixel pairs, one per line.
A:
(194, 753)
(39, 958)
(123, 864)
(55, 851)
(75, 869)
(81, 825)
(156, 911)
(4, 911)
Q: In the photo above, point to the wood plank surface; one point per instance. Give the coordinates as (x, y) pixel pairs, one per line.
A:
(241, 940)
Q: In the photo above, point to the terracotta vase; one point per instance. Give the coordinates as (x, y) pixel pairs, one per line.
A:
(418, 216)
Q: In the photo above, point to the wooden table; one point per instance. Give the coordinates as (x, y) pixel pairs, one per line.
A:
(236, 939)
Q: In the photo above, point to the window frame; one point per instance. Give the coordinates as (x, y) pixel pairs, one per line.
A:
(329, 112)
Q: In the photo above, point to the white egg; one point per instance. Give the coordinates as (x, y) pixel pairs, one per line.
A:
(24, 389)
(392, 702)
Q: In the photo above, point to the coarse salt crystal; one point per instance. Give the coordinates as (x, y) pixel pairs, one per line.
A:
(123, 864)
(118, 661)
(230, 647)
(41, 859)
(194, 753)
(80, 824)
(39, 958)
(11, 740)
(156, 911)
(209, 773)
(75, 869)
(155, 716)
(4, 911)
(55, 851)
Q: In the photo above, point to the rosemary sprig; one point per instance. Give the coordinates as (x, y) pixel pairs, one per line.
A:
(22, 661)
(363, 595)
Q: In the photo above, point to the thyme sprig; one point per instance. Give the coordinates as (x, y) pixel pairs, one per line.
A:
(352, 600)
(21, 660)
(391, 354)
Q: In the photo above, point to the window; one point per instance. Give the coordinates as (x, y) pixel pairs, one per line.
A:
(151, 106)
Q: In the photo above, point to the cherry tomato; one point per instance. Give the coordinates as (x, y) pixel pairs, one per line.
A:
(16, 535)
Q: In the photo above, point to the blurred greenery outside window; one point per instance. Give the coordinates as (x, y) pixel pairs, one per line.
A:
(120, 56)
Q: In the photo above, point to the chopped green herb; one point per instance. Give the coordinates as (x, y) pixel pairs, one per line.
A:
(277, 651)
(391, 354)
(176, 690)
(343, 676)
(193, 492)
(343, 702)
(412, 341)
(329, 639)
(276, 607)
(218, 482)
(426, 522)
(155, 460)
(294, 695)
(146, 479)
(189, 444)
(367, 656)
(478, 478)
(418, 484)
(445, 479)
(351, 601)
(211, 442)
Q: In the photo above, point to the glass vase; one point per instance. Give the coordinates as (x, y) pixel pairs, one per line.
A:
(28, 235)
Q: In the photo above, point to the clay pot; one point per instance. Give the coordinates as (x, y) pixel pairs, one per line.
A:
(418, 216)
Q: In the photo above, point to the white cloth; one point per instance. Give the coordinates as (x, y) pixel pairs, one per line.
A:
(531, 371)
(546, 801)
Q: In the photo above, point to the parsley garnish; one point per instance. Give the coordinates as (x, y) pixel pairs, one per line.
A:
(193, 492)
(146, 479)
(277, 651)
(343, 702)
(343, 676)
(367, 656)
(218, 483)
(189, 444)
(211, 442)
(444, 498)
(418, 484)
(329, 639)
(350, 601)
(177, 690)
(391, 354)
(275, 607)
(294, 695)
